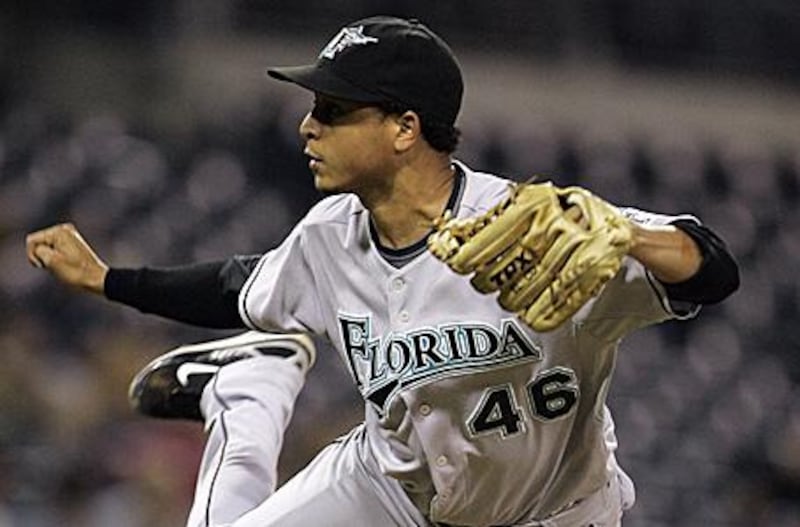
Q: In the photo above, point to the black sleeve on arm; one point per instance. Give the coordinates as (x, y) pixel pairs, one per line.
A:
(204, 294)
(718, 276)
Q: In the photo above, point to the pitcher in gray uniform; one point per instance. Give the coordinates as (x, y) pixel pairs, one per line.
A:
(471, 417)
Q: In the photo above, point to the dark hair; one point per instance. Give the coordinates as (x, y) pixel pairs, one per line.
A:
(441, 137)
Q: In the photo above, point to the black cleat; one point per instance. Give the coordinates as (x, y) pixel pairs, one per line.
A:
(171, 385)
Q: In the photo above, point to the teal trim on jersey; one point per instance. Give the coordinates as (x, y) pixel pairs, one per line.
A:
(398, 258)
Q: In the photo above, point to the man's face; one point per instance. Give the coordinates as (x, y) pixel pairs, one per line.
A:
(349, 145)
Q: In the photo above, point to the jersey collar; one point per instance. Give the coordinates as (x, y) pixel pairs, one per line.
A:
(399, 257)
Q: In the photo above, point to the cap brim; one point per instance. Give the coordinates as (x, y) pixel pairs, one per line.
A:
(323, 80)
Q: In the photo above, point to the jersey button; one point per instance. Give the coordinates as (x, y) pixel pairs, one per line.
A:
(425, 409)
(398, 284)
(404, 316)
(441, 461)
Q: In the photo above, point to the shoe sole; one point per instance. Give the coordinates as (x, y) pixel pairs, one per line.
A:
(303, 346)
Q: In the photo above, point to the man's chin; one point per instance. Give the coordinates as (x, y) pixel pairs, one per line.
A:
(326, 189)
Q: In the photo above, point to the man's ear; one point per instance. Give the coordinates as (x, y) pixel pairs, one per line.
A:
(409, 130)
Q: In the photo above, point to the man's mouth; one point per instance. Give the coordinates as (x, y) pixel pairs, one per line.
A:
(313, 159)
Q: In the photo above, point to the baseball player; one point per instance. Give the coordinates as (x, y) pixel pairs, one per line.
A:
(479, 410)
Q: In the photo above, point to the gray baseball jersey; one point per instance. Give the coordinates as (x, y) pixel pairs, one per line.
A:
(483, 420)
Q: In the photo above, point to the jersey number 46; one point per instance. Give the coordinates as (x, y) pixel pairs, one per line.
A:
(552, 394)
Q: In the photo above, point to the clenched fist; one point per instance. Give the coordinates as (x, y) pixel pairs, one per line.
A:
(62, 250)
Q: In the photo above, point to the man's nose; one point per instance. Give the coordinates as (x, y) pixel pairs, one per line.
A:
(309, 127)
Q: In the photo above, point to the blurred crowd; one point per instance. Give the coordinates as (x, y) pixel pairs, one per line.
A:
(73, 452)
(707, 412)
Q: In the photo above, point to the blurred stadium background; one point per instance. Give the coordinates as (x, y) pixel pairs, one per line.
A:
(151, 126)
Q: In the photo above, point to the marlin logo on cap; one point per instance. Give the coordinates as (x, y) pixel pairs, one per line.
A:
(347, 37)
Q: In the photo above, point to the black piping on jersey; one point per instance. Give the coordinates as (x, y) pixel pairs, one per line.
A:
(252, 323)
(399, 257)
(218, 469)
(668, 305)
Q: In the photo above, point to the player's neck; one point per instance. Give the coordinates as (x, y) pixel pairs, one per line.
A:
(405, 215)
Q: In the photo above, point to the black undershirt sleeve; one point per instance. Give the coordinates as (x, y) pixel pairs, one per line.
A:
(718, 276)
(203, 294)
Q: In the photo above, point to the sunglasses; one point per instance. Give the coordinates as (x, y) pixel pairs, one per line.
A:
(330, 111)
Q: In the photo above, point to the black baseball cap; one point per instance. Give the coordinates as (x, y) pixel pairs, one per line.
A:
(386, 59)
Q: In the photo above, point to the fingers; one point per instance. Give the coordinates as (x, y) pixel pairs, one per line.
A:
(40, 246)
(43, 256)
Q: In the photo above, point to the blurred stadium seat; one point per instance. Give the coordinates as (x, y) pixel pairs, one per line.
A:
(707, 412)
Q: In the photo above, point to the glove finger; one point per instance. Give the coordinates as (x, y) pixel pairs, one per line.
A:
(552, 309)
(597, 214)
(545, 225)
(529, 246)
(470, 245)
(448, 239)
(459, 242)
(560, 302)
(495, 238)
(525, 290)
(580, 279)
(530, 208)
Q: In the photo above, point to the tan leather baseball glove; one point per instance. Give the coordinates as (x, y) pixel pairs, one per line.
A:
(546, 249)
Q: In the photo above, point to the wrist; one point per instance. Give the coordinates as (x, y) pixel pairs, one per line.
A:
(666, 251)
(97, 284)
(648, 237)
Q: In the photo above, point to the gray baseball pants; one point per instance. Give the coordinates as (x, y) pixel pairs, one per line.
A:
(248, 405)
